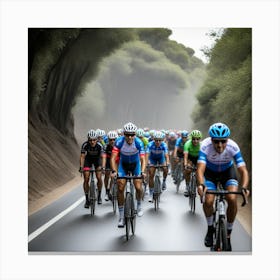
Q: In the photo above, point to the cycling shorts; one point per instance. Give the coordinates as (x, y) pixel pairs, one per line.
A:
(124, 168)
(160, 160)
(89, 162)
(226, 178)
(180, 154)
(193, 159)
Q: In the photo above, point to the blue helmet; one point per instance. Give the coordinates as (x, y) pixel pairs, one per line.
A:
(219, 130)
(184, 133)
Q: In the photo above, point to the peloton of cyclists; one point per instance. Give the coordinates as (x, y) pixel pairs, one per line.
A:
(216, 163)
(157, 153)
(130, 150)
(91, 154)
(191, 151)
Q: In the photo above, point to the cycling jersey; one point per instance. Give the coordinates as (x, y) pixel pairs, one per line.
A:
(93, 154)
(145, 142)
(171, 144)
(192, 151)
(180, 147)
(157, 154)
(220, 162)
(107, 155)
(129, 155)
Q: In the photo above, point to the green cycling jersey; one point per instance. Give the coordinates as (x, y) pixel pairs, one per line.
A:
(191, 149)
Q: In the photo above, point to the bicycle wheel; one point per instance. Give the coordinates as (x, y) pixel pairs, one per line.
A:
(222, 236)
(133, 218)
(192, 195)
(128, 213)
(92, 198)
(114, 197)
(156, 192)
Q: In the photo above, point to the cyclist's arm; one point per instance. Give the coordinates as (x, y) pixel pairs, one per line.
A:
(82, 159)
(113, 161)
(244, 176)
(167, 158)
(143, 163)
(175, 152)
(186, 154)
(200, 176)
(104, 158)
(147, 158)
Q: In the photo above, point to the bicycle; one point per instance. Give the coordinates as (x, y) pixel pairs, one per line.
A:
(157, 185)
(192, 188)
(92, 190)
(129, 204)
(178, 174)
(220, 224)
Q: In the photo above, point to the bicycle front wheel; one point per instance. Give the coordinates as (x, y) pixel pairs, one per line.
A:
(222, 236)
(114, 197)
(192, 195)
(92, 198)
(128, 213)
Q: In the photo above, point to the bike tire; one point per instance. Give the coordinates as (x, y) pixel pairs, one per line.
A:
(114, 198)
(92, 198)
(192, 195)
(157, 191)
(221, 241)
(128, 213)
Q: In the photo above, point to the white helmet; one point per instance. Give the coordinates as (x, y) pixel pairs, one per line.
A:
(101, 133)
(91, 134)
(112, 134)
(158, 135)
(129, 128)
(140, 132)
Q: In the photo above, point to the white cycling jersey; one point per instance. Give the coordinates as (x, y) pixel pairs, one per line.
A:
(220, 162)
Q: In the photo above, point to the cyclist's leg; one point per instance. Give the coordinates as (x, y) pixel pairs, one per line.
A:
(165, 173)
(208, 211)
(99, 182)
(151, 181)
(138, 186)
(120, 194)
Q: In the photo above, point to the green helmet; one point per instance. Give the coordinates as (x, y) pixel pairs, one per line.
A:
(196, 134)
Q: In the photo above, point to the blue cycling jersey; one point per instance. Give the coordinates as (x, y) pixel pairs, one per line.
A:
(157, 153)
(220, 162)
(129, 153)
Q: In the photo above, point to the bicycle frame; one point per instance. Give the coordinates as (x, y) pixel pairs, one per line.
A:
(192, 188)
(129, 204)
(219, 215)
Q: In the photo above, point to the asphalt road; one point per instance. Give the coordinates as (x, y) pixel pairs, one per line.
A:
(171, 230)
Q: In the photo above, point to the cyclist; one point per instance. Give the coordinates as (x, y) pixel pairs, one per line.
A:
(179, 148)
(171, 141)
(191, 150)
(157, 153)
(215, 163)
(140, 134)
(112, 136)
(130, 149)
(91, 153)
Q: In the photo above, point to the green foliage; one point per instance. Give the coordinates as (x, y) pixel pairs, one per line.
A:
(226, 95)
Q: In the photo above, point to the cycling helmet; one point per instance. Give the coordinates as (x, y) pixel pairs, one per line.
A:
(91, 134)
(219, 130)
(112, 134)
(184, 133)
(172, 134)
(129, 128)
(120, 131)
(147, 134)
(158, 135)
(196, 134)
(140, 132)
(101, 133)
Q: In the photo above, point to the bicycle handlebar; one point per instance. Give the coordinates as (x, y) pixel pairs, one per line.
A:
(224, 192)
(193, 168)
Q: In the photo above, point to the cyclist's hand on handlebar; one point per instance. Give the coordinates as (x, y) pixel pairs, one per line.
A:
(143, 174)
(81, 169)
(103, 170)
(114, 174)
(246, 193)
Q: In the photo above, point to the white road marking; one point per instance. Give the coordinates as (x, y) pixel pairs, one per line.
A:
(54, 220)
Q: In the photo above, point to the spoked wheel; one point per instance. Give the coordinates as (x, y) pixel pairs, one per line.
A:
(114, 198)
(157, 190)
(192, 196)
(129, 213)
(92, 199)
(221, 236)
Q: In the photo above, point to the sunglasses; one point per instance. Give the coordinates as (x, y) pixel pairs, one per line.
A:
(112, 139)
(195, 139)
(92, 140)
(129, 135)
(223, 141)
(158, 140)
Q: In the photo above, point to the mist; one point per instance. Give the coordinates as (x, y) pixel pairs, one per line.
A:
(139, 84)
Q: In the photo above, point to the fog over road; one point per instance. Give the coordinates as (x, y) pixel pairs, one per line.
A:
(171, 230)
